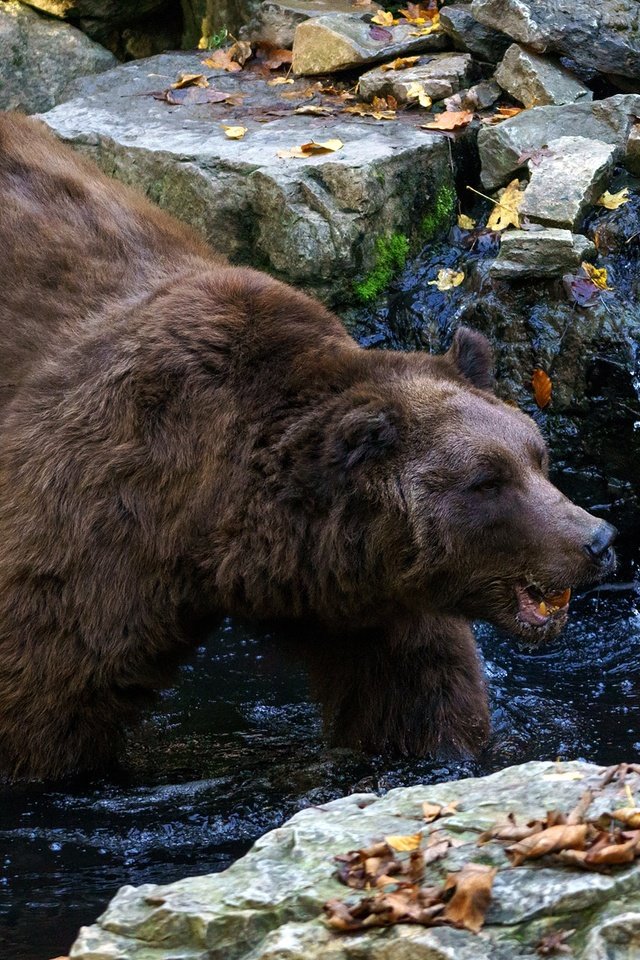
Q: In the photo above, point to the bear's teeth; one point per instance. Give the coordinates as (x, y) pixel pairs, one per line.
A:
(542, 608)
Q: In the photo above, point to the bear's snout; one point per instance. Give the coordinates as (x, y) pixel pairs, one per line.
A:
(599, 547)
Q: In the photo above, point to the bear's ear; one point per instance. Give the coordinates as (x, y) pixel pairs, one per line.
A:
(366, 432)
(472, 356)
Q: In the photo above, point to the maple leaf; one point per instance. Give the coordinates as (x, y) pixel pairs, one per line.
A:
(379, 33)
(447, 279)
(380, 108)
(384, 19)
(472, 895)
(310, 149)
(502, 113)
(419, 13)
(234, 133)
(581, 289)
(598, 276)
(404, 843)
(613, 200)
(449, 120)
(277, 58)
(433, 27)
(465, 222)
(505, 212)
(542, 387)
(400, 63)
(434, 811)
(416, 91)
(220, 60)
(190, 80)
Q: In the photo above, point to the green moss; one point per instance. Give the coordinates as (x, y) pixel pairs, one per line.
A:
(441, 213)
(391, 256)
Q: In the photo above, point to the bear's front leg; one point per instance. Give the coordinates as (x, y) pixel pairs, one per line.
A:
(417, 689)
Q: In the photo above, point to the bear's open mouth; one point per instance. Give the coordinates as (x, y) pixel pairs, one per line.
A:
(537, 607)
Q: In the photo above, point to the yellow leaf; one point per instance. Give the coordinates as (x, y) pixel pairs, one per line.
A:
(416, 91)
(447, 279)
(279, 81)
(433, 27)
(465, 222)
(310, 149)
(403, 844)
(380, 109)
(505, 212)
(400, 63)
(234, 133)
(598, 276)
(190, 80)
(384, 19)
(614, 200)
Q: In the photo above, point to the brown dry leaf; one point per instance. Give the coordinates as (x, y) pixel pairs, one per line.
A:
(542, 387)
(384, 19)
(189, 96)
(419, 12)
(190, 80)
(465, 222)
(450, 120)
(277, 58)
(505, 212)
(279, 81)
(240, 52)
(400, 63)
(614, 200)
(502, 113)
(630, 816)
(311, 149)
(511, 832)
(447, 279)
(435, 851)
(221, 60)
(561, 837)
(416, 91)
(404, 843)
(312, 110)
(234, 133)
(597, 275)
(472, 896)
(380, 108)
(611, 853)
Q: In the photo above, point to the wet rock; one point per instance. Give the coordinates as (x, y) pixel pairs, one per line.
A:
(478, 97)
(569, 177)
(268, 905)
(115, 11)
(502, 146)
(41, 57)
(632, 161)
(603, 35)
(276, 20)
(440, 76)
(536, 81)
(548, 252)
(469, 35)
(203, 19)
(320, 222)
(343, 42)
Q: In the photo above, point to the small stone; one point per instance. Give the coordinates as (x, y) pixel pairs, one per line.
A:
(469, 35)
(536, 81)
(547, 252)
(440, 76)
(343, 42)
(478, 97)
(632, 158)
(276, 20)
(567, 180)
(501, 146)
(41, 57)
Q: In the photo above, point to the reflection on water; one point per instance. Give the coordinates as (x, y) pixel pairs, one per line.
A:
(235, 748)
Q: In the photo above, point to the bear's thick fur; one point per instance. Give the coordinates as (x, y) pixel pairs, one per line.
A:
(180, 439)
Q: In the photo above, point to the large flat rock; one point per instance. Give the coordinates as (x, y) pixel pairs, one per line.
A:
(315, 221)
(440, 75)
(40, 58)
(268, 905)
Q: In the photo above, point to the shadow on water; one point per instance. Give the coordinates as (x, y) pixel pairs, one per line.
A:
(236, 747)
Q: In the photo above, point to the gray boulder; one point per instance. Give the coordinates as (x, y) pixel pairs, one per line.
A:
(321, 222)
(547, 252)
(603, 35)
(268, 905)
(275, 21)
(536, 81)
(40, 58)
(469, 35)
(439, 75)
(502, 146)
(344, 42)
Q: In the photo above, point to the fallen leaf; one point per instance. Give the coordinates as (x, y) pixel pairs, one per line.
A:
(450, 120)
(502, 113)
(234, 133)
(400, 63)
(420, 12)
(380, 108)
(311, 149)
(190, 80)
(279, 81)
(612, 853)
(614, 200)
(404, 844)
(277, 58)
(220, 60)
(505, 212)
(447, 279)
(472, 896)
(416, 91)
(560, 837)
(630, 816)
(581, 289)
(310, 109)
(597, 275)
(425, 31)
(240, 52)
(384, 19)
(184, 96)
(542, 387)
(554, 943)
(379, 33)
(535, 157)
(465, 222)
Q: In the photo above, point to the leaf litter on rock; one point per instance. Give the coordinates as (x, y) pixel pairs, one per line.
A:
(449, 120)
(311, 149)
(542, 388)
(380, 108)
(611, 201)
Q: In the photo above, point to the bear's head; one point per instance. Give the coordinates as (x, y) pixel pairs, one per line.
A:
(457, 483)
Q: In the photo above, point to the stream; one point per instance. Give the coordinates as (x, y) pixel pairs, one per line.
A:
(207, 774)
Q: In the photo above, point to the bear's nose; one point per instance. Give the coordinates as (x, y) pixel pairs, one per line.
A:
(600, 544)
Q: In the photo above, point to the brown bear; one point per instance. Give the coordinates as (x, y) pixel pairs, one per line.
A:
(180, 438)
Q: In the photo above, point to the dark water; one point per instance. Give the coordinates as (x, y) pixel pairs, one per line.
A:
(236, 747)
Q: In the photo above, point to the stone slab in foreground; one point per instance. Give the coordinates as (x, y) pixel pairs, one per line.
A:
(314, 222)
(268, 905)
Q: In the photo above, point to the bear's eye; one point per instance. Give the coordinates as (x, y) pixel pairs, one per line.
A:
(487, 484)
